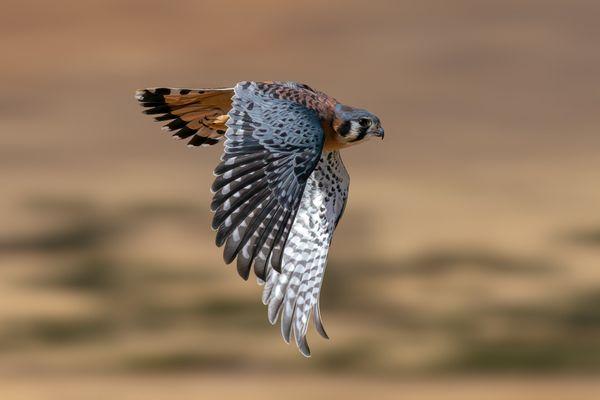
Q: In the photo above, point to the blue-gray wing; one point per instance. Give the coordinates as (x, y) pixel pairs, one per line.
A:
(293, 294)
(272, 146)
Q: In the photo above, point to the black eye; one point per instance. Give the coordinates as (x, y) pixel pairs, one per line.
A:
(365, 122)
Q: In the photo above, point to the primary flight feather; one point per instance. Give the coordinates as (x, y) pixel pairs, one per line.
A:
(281, 186)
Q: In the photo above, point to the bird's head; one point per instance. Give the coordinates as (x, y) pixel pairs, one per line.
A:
(353, 125)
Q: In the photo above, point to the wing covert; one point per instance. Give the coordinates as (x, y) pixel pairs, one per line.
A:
(272, 146)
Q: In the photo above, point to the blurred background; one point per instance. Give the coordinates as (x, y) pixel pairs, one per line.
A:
(467, 265)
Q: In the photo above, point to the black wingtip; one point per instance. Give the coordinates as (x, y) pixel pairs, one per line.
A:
(276, 260)
(259, 271)
(243, 269)
(303, 346)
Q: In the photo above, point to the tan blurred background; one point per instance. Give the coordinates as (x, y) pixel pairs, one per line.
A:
(467, 265)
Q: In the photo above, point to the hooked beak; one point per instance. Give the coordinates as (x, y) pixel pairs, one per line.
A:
(379, 133)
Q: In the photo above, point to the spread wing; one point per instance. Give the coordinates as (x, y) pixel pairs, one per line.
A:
(294, 293)
(272, 146)
(199, 114)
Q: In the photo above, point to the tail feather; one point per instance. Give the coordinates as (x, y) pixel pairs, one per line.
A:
(199, 114)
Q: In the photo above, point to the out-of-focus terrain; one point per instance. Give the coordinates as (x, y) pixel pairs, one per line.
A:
(467, 264)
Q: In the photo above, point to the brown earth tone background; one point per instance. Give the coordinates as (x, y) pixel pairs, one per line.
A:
(467, 265)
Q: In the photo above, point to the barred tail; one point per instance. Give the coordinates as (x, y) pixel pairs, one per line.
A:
(199, 114)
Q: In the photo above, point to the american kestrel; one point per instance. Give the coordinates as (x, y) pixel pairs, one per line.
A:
(280, 188)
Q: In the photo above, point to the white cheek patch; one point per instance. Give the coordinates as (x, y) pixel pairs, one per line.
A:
(354, 131)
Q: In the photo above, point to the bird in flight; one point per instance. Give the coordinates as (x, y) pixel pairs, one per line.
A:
(280, 188)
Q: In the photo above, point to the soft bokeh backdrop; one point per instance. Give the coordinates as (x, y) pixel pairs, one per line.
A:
(467, 265)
